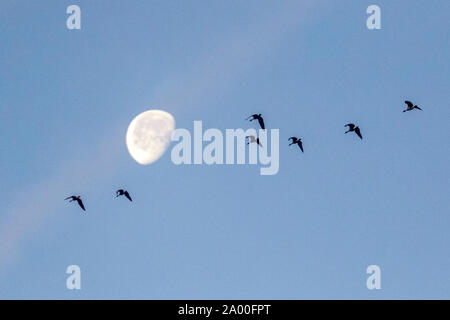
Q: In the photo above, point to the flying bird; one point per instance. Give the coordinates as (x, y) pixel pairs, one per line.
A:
(77, 199)
(259, 118)
(252, 139)
(296, 140)
(411, 106)
(352, 127)
(122, 192)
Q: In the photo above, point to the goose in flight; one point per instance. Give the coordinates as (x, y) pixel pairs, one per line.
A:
(257, 117)
(296, 140)
(352, 127)
(252, 139)
(411, 106)
(77, 199)
(122, 192)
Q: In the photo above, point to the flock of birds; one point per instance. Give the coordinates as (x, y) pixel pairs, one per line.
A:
(252, 139)
(119, 192)
(294, 140)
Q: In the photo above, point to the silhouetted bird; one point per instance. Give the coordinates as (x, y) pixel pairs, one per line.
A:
(295, 140)
(411, 106)
(253, 139)
(77, 199)
(122, 192)
(257, 117)
(352, 127)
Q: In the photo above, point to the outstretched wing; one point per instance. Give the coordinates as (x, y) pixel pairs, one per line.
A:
(300, 144)
(127, 195)
(71, 197)
(409, 103)
(294, 139)
(253, 116)
(358, 132)
(417, 108)
(81, 204)
(261, 122)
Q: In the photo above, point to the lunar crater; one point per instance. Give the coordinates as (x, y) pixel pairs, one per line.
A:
(148, 135)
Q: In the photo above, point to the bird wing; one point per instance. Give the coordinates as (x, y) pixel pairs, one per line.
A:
(417, 108)
(358, 132)
(71, 197)
(293, 139)
(300, 144)
(261, 122)
(127, 195)
(81, 204)
(257, 141)
(409, 103)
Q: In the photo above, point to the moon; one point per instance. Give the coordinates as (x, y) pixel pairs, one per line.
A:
(148, 135)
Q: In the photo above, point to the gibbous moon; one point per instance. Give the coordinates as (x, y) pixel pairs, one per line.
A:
(148, 135)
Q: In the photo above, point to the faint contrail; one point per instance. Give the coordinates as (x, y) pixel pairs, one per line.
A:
(37, 203)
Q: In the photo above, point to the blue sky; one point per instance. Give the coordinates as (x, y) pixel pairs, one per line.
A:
(224, 231)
